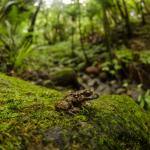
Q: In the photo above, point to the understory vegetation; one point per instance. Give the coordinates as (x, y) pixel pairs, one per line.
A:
(105, 43)
(73, 45)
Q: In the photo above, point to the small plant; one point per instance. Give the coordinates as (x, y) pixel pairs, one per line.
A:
(21, 55)
(112, 67)
(125, 56)
(144, 100)
(145, 57)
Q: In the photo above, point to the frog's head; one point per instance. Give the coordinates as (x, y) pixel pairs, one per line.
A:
(87, 93)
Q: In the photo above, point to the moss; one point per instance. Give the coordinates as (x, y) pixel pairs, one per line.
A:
(28, 120)
(65, 77)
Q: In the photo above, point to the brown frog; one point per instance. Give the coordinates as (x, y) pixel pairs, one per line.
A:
(73, 102)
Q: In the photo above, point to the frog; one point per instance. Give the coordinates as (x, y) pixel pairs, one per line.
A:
(73, 102)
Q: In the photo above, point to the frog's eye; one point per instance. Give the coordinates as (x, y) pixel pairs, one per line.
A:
(88, 93)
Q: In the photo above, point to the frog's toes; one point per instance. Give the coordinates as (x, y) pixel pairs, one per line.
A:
(74, 110)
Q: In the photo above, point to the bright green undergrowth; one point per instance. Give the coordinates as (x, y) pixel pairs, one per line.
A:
(28, 120)
(60, 54)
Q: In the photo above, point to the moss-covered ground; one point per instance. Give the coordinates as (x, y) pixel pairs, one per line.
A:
(28, 120)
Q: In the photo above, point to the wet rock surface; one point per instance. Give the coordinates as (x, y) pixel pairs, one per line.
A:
(28, 120)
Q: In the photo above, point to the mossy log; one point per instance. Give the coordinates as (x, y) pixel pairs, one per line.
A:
(28, 120)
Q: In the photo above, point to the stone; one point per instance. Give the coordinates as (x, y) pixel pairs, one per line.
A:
(65, 77)
(92, 70)
(28, 120)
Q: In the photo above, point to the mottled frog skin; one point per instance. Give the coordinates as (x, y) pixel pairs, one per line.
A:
(73, 102)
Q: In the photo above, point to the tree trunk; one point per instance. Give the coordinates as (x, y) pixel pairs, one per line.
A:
(127, 19)
(142, 12)
(29, 38)
(72, 41)
(145, 6)
(80, 33)
(120, 9)
(107, 32)
(92, 25)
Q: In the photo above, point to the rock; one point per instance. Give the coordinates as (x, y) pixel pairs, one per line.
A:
(30, 75)
(103, 76)
(103, 89)
(65, 77)
(43, 75)
(92, 70)
(113, 82)
(48, 83)
(115, 87)
(121, 91)
(28, 120)
(135, 91)
(39, 82)
(93, 82)
(85, 78)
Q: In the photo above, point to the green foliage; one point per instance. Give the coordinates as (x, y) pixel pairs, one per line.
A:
(111, 67)
(13, 31)
(92, 9)
(72, 11)
(145, 57)
(20, 57)
(59, 22)
(144, 100)
(124, 55)
(106, 3)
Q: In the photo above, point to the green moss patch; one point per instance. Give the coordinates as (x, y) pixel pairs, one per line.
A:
(28, 120)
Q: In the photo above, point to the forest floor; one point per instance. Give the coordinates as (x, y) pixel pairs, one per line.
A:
(132, 80)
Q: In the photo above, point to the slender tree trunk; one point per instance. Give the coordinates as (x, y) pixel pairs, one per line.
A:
(120, 9)
(125, 16)
(29, 38)
(92, 25)
(72, 41)
(114, 14)
(142, 12)
(114, 18)
(145, 6)
(107, 32)
(80, 33)
(127, 19)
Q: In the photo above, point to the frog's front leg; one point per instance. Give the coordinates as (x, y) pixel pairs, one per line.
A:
(63, 106)
(74, 110)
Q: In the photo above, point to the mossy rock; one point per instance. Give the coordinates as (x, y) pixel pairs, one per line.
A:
(28, 120)
(65, 77)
